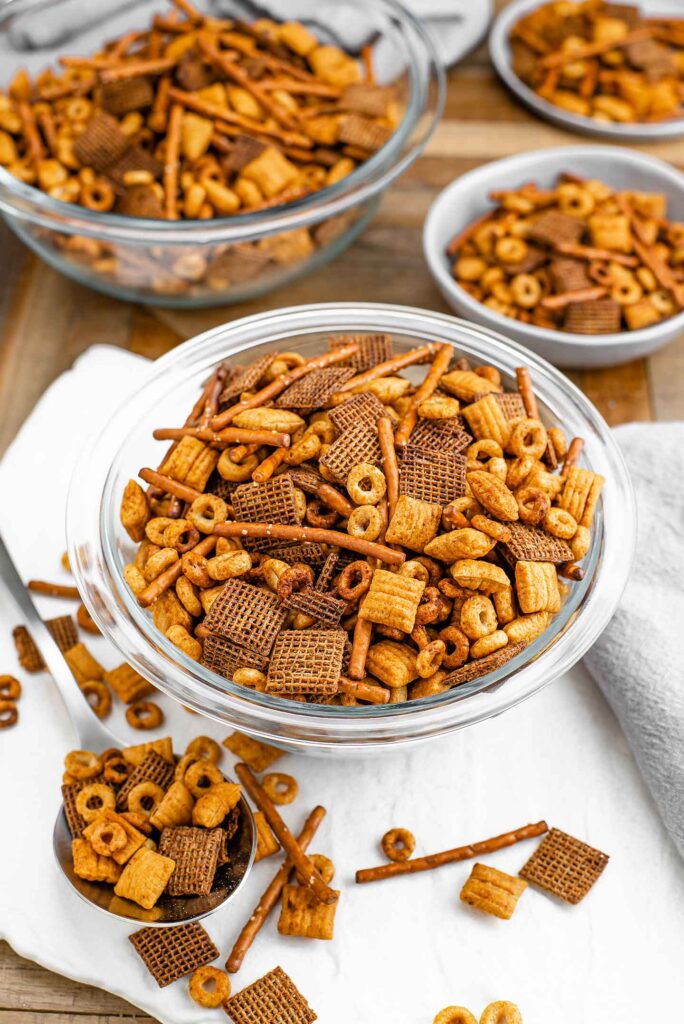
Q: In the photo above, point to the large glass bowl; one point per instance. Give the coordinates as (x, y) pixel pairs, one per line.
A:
(228, 259)
(99, 548)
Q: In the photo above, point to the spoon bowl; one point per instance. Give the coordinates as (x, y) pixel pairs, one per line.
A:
(92, 735)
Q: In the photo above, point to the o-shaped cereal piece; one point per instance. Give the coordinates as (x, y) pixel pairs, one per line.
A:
(501, 1012)
(106, 837)
(10, 688)
(158, 562)
(484, 449)
(560, 523)
(209, 987)
(206, 511)
(251, 677)
(488, 644)
(478, 617)
(194, 568)
(455, 1015)
(83, 764)
(354, 581)
(526, 291)
(365, 522)
(366, 484)
(528, 437)
(155, 527)
(533, 504)
(9, 714)
(229, 565)
(575, 200)
(144, 799)
(519, 470)
(117, 769)
(94, 799)
(457, 646)
(324, 866)
(281, 788)
(201, 776)
(398, 844)
(98, 696)
(431, 658)
(205, 748)
(510, 249)
(144, 715)
(181, 535)
(297, 578)
(415, 570)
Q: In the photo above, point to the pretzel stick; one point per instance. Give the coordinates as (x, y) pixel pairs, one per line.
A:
(214, 112)
(363, 631)
(271, 895)
(212, 400)
(416, 355)
(363, 690)
(28, 123)
(299, 88)
(437, 860)
(131, 69)
(172, 162)
(550, 83)
(589, 252)
(279, 531)
(331, 497)
(53, 589)
(439, 366)
(529, 400)
(191, 13)
(243, 451)
(645, 252)
(166, 579)
(367, 60)
(570, 571)
(265, 470)
(567, 298)
(573, 454)
(46, 123)
(160, 107)
(229, 436)
(169, 485)
(306, 870)
(282, 382)
(389, 461)
(595, 49)
(123, 45)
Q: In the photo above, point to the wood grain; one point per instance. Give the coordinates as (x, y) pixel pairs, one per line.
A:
(46, 321)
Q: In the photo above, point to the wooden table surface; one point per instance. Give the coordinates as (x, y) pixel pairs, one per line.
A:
(46, 321)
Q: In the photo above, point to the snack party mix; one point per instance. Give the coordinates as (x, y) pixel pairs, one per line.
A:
(578, 257)
(602, 60)
(325, 530)
(197, 118)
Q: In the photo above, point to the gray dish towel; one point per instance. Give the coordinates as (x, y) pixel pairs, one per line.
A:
(639, 660)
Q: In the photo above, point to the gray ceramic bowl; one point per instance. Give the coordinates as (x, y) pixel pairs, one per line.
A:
(500, 53)
(466, 199)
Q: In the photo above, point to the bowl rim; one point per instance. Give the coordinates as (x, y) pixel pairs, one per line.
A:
(305, 726)
(500, 54)
(438, 264)
(376, 174)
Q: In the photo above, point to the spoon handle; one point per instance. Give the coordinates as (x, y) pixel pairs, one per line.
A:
(91, 735)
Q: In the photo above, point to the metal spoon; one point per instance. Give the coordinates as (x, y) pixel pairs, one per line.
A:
(92, 735)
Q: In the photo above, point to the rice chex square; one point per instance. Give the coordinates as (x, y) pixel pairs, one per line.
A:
(323, 608)
(431, 476)
(534, 544)
(306, 661)
(244, 378)
(363, 408)
(441, 435)
(564, 866)
(152, 768)
(482, 666)
(358, 444)
(511, 403)
(223, 656)
(373, 349)
(273, 999)
(172, 953)
(246, 615)
(270, 502)
(196, 853)
(313, 391)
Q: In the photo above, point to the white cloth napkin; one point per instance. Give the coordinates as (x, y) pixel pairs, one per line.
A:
(639, 660)
(405, 948)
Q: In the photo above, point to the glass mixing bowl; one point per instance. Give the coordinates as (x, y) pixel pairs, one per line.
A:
(198, 262)
(99, 548)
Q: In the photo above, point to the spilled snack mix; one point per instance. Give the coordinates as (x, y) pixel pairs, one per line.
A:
(578, 257)
(197, 118)
(604, 61)
(154, 826)
(328, 553)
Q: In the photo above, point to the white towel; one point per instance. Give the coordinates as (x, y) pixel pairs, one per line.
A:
(403, 949)
(639, 660)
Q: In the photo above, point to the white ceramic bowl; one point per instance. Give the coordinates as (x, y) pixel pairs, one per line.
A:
(466, 199)
(500, 53)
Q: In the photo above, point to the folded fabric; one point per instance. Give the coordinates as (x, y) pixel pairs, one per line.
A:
(639, 660)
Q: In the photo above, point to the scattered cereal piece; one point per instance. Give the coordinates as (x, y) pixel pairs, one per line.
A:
(172, 953)
(564, 866)
(492, 891)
